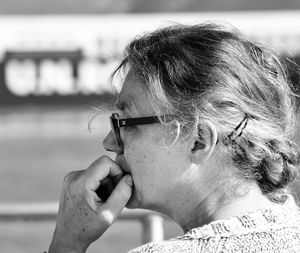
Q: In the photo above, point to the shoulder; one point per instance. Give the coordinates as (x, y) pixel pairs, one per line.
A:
(179, 244)
(263, 231)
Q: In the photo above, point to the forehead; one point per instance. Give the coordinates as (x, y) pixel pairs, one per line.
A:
(134, 95)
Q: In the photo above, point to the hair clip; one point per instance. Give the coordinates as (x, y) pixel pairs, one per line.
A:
(238, 130)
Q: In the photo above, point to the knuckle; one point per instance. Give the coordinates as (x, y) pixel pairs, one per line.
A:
(105, 159)
(68, 178)
(98, 163)
(85, 193)
(107, 217)
(71, 178)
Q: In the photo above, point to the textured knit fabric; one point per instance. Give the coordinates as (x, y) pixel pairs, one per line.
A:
(264, 230)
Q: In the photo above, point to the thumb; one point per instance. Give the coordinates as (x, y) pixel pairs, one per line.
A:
(120, 195)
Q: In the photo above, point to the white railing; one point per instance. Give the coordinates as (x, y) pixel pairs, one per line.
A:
(152, 223)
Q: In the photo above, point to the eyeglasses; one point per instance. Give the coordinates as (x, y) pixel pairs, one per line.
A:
(117, 123)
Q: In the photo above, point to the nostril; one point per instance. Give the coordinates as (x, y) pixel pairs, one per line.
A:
(110, 144)
(108, 149)
(120, 151)
(107, 142)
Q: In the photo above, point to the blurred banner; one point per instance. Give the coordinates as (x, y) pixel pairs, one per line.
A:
(68, 59)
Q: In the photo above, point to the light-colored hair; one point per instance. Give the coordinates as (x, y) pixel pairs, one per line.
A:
(213, 72)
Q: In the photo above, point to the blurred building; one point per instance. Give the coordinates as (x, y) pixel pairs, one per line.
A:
(68, 59)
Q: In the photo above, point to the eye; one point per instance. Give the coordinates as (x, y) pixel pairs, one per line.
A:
(129, 128)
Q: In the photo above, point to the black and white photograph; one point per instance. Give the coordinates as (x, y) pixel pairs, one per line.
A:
(149, 126)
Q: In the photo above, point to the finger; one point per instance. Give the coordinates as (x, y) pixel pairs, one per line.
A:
(99, 170)
(106, 187)
(93, 201)
(119, 197)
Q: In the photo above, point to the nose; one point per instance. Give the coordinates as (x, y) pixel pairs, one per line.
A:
(110, 144)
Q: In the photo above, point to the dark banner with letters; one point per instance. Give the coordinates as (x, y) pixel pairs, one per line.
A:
(54, 77)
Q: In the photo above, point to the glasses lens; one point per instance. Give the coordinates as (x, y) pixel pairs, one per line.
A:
(115, 128)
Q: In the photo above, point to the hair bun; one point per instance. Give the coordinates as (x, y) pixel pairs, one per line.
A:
(279, 167)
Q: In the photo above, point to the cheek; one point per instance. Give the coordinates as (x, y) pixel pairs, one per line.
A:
(151, 161)
(137, 149)
(142, 160)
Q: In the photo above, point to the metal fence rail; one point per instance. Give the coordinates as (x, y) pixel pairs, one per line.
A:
(152, 223)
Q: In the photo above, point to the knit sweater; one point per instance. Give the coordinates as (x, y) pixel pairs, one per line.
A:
(264, 230)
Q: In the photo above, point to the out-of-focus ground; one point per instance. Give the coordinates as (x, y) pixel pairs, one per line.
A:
(38, 147)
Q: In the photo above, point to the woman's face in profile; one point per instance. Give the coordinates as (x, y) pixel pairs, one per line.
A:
(156, 166)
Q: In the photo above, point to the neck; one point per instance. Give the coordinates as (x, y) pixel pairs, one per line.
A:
(214, 207)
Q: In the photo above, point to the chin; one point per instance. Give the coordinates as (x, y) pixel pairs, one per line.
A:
(136, 203)
(132, 205)
(133, 201)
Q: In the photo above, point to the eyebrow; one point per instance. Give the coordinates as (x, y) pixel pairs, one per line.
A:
(123, 105)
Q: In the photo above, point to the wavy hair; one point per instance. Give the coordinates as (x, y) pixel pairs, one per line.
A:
(214, 72)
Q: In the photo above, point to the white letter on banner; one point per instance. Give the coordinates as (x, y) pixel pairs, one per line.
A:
(56, 77)
(20, 77)
(93, 77)
(88, 79)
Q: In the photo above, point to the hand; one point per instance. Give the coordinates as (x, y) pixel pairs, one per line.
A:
(82, 216)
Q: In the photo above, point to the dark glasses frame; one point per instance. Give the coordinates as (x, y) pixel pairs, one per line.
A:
(117, 123)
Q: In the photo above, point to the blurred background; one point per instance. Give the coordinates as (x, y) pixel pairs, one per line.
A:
(55, 60)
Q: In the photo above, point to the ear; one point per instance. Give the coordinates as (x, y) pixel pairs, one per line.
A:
(203, 141)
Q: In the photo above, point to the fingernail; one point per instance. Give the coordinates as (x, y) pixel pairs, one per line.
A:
(129, 180)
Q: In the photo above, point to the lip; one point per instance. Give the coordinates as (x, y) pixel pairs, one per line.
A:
(121, 161)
